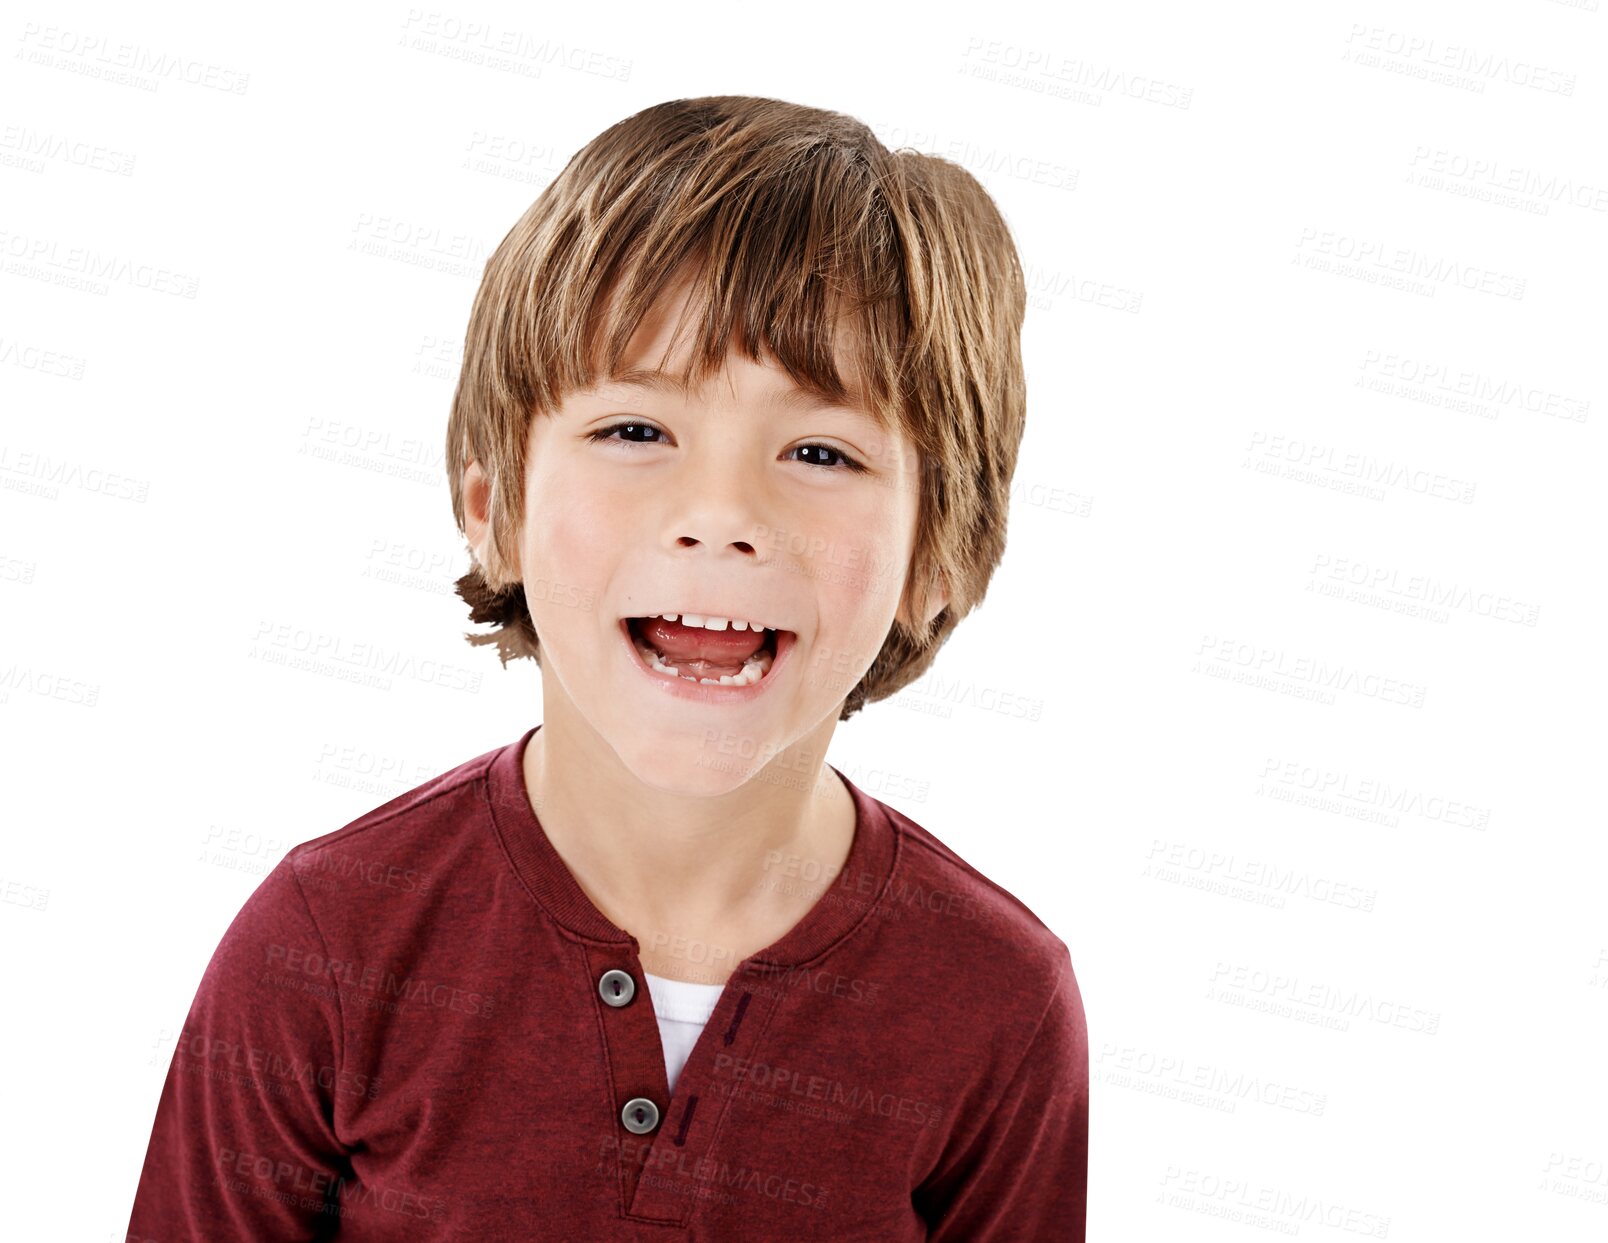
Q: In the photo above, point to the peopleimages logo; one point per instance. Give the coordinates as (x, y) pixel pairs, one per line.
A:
(382, 982)
(1247, 1202)
(255, 1174)
(1316, 1002)
(857, 1099)
(230, 1057)
(338, 863)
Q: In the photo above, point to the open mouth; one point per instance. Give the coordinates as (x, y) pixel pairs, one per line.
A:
(705, 650)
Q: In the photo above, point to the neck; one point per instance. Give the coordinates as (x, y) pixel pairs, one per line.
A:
(702, 881)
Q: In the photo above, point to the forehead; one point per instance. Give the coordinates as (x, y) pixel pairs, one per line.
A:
(777, 390)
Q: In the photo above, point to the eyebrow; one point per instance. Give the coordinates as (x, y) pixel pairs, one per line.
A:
(795, 399)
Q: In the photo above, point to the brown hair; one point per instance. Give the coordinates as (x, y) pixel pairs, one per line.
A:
(798, 223)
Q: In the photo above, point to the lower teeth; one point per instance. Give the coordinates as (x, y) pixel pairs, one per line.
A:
(754, 668)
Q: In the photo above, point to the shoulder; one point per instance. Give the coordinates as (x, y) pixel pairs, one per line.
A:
(1010, 996)
(967, 912)
(1004, 973)
(390, 866)
(396, 844)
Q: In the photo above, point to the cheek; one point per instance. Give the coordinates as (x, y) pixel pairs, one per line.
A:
(568, 531)
(860, 571)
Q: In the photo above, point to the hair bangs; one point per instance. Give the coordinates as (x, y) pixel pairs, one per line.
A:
(800, 275)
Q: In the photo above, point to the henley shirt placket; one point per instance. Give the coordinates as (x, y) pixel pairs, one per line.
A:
(664, 1139)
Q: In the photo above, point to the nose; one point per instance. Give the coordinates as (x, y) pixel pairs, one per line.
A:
(719, 507)
(719, 525)
(690, 541)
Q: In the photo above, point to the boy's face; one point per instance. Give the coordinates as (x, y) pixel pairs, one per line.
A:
(727, 502)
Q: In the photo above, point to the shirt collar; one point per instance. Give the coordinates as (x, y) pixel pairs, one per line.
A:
(839, 910)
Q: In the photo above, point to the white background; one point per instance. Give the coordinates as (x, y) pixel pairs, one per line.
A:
(1283, 710)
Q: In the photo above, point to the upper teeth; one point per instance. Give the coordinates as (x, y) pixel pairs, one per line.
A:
(710, 623)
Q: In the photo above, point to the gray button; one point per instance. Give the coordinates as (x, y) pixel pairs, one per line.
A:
(640, 1115)
(616, 987)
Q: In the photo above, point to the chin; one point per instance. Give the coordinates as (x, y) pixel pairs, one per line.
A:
(686, 762)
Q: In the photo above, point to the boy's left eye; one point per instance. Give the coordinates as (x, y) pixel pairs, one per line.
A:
(842, 460)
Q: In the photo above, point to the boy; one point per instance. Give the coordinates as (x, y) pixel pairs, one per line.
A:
(655, 970)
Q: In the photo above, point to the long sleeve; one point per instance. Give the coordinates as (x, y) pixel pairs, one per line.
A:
(243, 1146)
(1023, 1173)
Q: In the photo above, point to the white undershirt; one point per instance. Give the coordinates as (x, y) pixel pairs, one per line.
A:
(682, 1009)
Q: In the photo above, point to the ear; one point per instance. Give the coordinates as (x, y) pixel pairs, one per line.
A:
(936, 599)
(477, 513)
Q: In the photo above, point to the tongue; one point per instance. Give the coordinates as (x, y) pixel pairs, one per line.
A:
(685, 644)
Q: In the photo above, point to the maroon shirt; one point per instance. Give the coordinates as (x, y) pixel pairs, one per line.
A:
(407, 1034)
